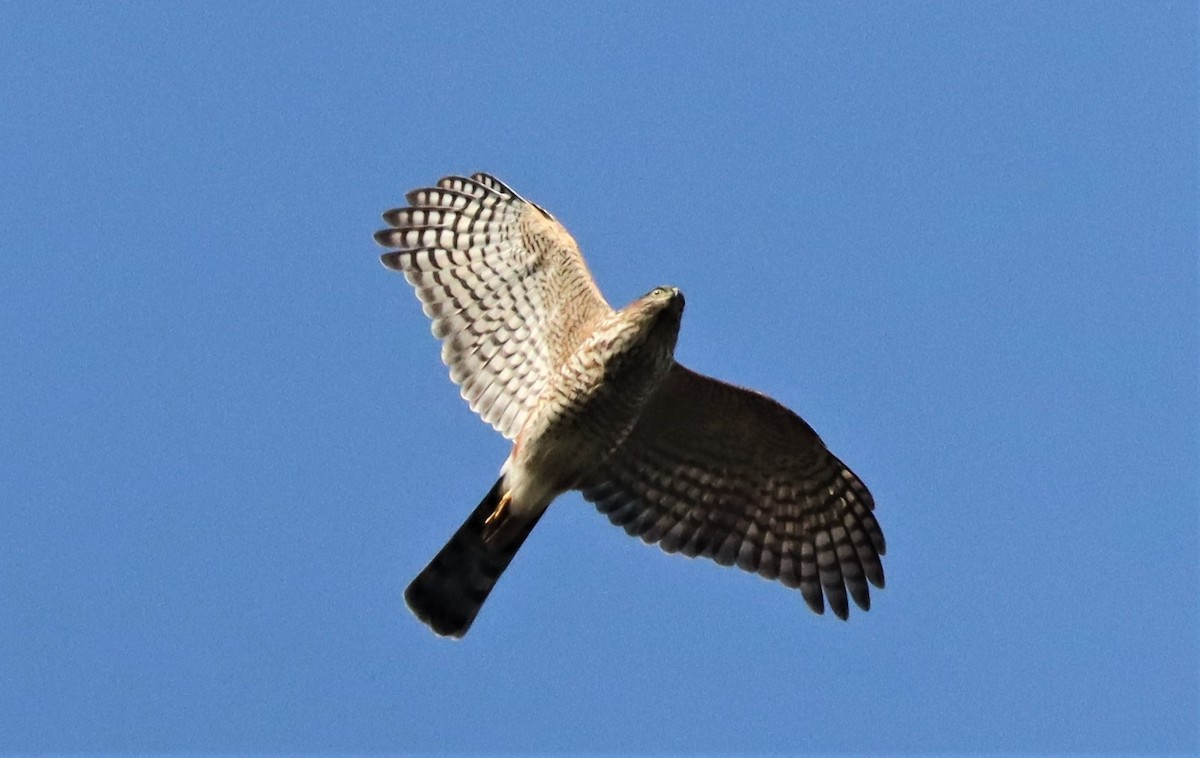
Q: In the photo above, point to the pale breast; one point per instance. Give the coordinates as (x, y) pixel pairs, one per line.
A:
(593, 401)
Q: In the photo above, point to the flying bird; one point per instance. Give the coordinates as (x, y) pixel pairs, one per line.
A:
(594, 400)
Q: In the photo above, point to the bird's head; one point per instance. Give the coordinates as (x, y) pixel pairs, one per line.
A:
(663, 301)
(661, 310)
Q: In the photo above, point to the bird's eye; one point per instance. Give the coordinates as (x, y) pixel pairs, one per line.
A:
(659, 291)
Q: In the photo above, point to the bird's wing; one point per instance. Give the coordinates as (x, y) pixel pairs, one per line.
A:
(718, 471)
(505, 284)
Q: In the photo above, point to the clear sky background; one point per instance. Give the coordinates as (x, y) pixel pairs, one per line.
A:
(959, 239)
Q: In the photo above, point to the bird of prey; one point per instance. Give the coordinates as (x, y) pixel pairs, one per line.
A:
(594, 400)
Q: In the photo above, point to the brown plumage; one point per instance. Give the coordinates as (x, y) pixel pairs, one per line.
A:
(595, 401)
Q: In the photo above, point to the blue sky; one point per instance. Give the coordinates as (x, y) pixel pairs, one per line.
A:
(959, 239)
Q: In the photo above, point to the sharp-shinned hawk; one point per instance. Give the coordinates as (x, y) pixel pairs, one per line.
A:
(594, 400)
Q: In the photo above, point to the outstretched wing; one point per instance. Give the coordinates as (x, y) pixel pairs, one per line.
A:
(505, 284)
(718, 471)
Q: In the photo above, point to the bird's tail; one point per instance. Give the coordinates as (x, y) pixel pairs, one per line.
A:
(449, 592)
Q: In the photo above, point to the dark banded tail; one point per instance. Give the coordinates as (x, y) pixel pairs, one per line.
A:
(449, 592)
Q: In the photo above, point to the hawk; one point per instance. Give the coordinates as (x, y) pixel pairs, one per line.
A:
(594, 400)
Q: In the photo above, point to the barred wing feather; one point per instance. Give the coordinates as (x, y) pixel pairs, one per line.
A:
(504, 283)
(718, 471)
